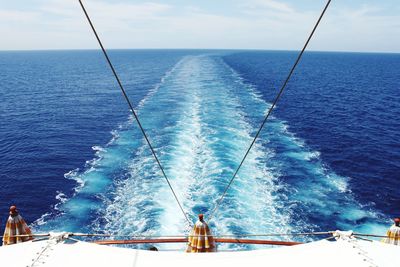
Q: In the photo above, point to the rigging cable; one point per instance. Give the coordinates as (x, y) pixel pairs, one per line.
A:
(269, 111)
(133, 112)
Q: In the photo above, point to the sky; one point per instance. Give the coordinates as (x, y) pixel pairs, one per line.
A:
(349, 25)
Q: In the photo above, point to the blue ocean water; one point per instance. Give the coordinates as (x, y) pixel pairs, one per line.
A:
(73, 159)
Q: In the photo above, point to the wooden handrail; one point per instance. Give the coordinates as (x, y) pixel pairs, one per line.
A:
(256, 242)
(185, 240)
(141, 241)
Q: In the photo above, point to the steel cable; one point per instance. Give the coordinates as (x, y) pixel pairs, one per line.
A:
(269, 112)
(134, 113)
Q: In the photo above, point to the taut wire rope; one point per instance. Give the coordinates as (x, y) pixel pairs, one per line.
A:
(134, 113)
(269, 112)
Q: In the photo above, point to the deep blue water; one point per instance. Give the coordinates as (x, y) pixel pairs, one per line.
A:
(72, 158)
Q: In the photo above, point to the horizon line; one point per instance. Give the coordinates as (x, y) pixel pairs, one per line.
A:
(199, 49)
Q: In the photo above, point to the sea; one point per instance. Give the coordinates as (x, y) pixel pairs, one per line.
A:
(72, 157)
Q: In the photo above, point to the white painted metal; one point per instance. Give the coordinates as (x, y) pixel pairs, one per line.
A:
(346, 251)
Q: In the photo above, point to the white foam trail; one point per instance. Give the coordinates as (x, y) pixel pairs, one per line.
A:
(255, 186)
(157, 87)
(74, 175)
(135, 205)
(91, 173)
(41, 221)
(321, 187)
(208, 116)
(98, 149)
(203, 118)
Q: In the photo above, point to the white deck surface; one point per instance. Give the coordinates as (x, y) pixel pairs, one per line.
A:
(342, 253)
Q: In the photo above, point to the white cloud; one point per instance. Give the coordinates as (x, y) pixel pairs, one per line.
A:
(257, 6)
(12, 16)
(260, 24)
(360, 29)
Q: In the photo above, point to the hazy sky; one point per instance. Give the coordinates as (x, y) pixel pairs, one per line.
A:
(349, 25)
